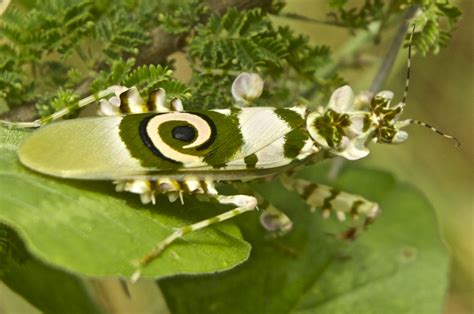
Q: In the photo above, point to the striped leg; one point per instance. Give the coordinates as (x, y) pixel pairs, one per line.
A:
(244, 204)
(331, 200)
(114, 101)
(61, 113)
(271, 218)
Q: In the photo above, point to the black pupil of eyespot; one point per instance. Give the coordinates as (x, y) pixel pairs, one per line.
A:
(184, 133)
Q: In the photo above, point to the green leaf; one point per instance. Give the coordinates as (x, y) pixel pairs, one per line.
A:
(247, 41)
(86, 227)
(27, 276)
(357, 16)
(181, 17)
(399, 265)
(61, 99)
(434, 26)
(149, 77)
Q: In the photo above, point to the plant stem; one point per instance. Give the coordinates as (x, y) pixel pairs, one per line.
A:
(303, 18)
(389, 60)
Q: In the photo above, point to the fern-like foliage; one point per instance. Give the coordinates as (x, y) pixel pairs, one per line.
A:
(55, 51)
(121, 37)
(59, 45)
(60, 99)
(146, 78)
(247, 41)
(150, 77)
(30, 38)
(357, 16)
(178, 18)
(434, 26)
(434, 20)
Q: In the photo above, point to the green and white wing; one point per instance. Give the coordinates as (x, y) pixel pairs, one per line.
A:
(216, 140)
(88, 148)
(272, 138)
(144, 145)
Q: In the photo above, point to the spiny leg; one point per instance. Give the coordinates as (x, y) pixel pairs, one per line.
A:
(114, 101)
(331, 200)
(244, 204)
(61, 113)
(271, 218)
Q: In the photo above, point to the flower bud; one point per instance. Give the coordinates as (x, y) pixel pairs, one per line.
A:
(247, 87)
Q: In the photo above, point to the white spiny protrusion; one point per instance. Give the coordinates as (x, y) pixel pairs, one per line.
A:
(138, 186)
(111, 106)
(193, 185)
(172, 196)
(159, 99)
(147, 198)
(177, 105)
(167, 185)
(210, 187)
(136, 104)
(107, 108)
(181, 199)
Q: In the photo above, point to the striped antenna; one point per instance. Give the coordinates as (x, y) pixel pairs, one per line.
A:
(59, 114)
(426, 125)
(405, 94)
(407, 79)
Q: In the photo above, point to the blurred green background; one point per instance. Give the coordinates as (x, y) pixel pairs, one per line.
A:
(441, 93)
